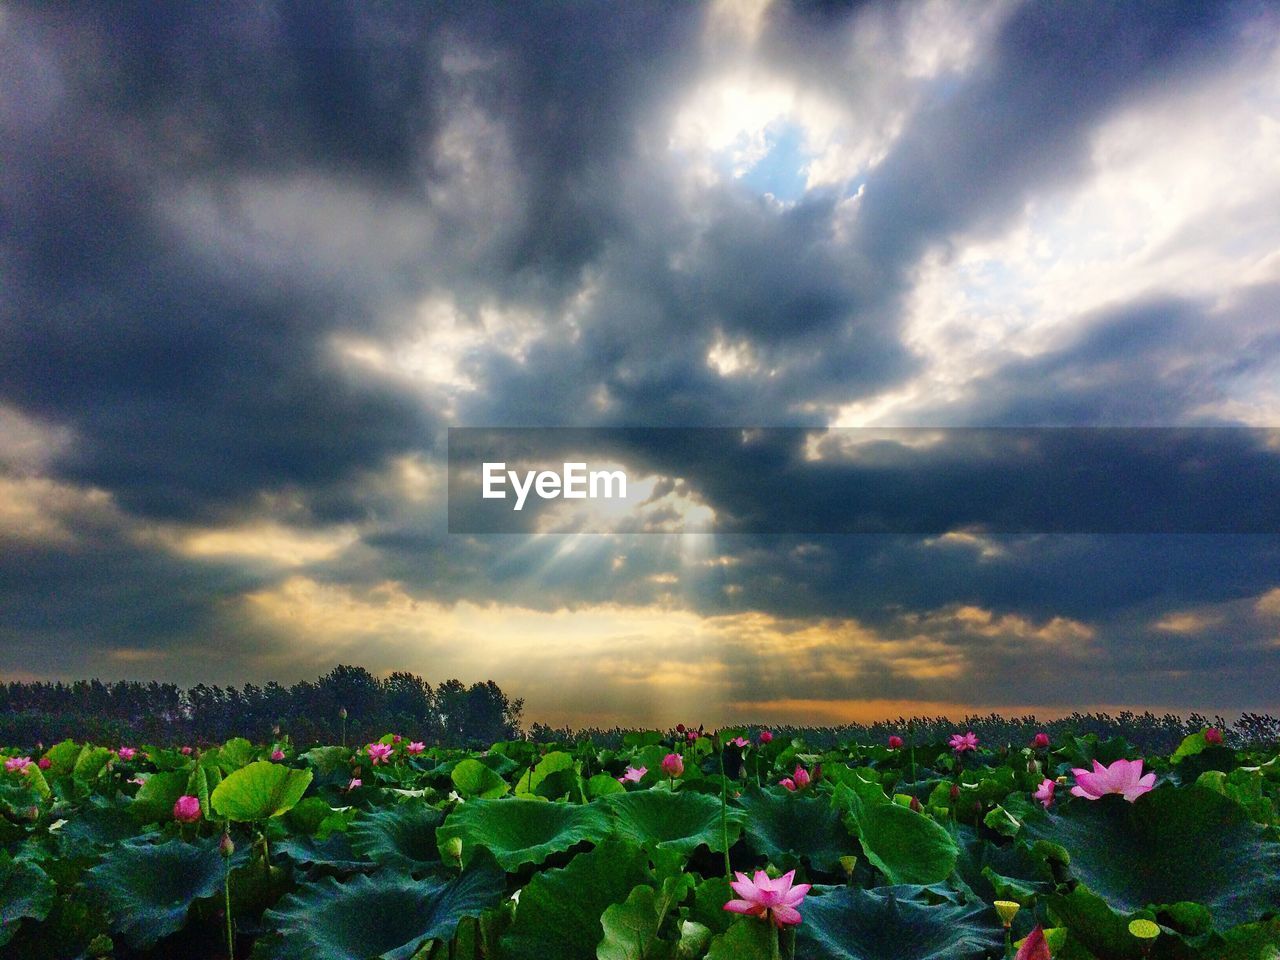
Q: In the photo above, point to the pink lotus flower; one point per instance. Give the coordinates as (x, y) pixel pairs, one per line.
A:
(396, 738)
(16, 763)
(1213, 737)
(187, 809)
(1044, 792)
(788, 783)
(1123, 777)
(772, 900)
(673, 765)
(379, 752)
(126, 753)
(1035, 947)
(44, 763)
(186, 751)
(766, 736)
(415, 748)
(1041, 741)
(679, 728)
(801, 777)
(138, 780)
(277, 754)
(740, 742)
(960, 742)
(895, 743)
(633, 775)
(355, 782)
(691, 736)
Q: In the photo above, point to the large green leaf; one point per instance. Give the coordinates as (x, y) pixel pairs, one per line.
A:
(154, 800)
(235, 753)
(90, 762)
(25, 892)
(890, 923)
(782, 825)
(259, 791)
(99, 823)
(1171, 845)
(474, 779)
(674, 821)
(632, 929)
(906, 846)
(402, 837)
(749, 939)
(559, 913)
(522, 831)
(554, 776)
(386, 915)
(62, 759)
(147, 890)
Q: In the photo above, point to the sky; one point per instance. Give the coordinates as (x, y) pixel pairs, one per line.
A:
(257, 259)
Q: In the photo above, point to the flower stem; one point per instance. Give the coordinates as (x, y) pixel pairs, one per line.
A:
(724, 818)
(226, 899)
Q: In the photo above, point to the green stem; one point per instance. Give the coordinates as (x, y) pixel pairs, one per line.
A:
(1008, 943)
(775, 953)
(724, 818)
(226, 899)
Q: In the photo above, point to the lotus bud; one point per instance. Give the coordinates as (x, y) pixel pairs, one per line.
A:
(955, 792)
(1213, 737)
(342, 713)
(915, 804)
(226, 847)
(1041, 741)
(895, 743)
(186, 809)
(1007, 909)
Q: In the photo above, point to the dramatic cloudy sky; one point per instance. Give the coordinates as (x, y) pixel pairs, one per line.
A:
(256, 259)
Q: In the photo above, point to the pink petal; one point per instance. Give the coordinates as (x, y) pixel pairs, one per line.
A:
(745, 889)
(796, 894)
(741, 906)
(1034, 947)
(786, 916)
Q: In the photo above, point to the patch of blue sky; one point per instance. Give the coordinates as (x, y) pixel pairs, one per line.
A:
(783, 170)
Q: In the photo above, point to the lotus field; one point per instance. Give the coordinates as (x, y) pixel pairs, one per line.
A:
(736, 845)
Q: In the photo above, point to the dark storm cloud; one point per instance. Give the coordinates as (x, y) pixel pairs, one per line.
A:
(1154, 361)
(1021, 120)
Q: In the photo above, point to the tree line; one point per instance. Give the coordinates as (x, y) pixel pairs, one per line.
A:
(451, 713)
